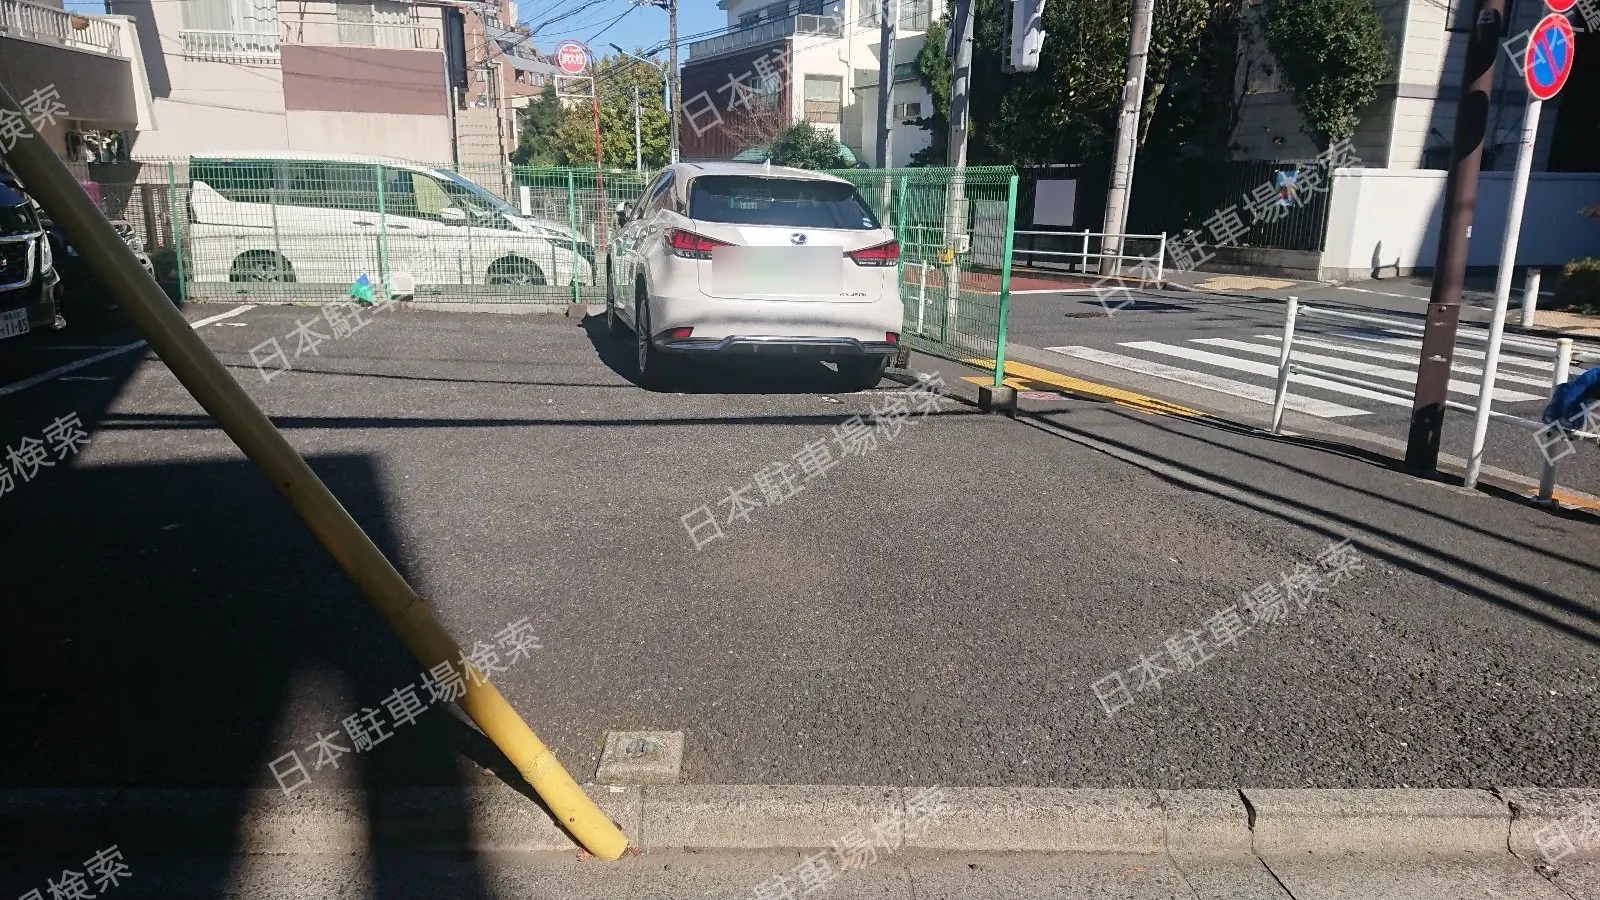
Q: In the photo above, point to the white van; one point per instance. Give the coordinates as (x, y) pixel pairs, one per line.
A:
(301, 217)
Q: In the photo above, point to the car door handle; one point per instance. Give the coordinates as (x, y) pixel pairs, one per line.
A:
(363, 222)
(398, 226)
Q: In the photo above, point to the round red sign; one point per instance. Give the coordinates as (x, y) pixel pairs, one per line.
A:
(572, 58)
(1548, 59)
(1560, 5)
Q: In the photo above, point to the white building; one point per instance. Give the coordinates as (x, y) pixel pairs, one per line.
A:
(830, 80)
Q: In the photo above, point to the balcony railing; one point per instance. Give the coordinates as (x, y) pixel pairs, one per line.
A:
(763, 33)
(398, 36)
(44, 24)
(229, 46)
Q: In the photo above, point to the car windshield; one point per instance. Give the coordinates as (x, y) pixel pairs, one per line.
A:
(789, 202)
(472, 197)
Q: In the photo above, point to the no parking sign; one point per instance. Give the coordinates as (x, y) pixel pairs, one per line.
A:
(1548, 60)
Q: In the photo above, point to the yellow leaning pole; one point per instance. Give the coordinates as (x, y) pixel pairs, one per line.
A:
(49, 181)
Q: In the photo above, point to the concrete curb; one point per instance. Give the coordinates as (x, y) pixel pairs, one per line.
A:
(1186, 823)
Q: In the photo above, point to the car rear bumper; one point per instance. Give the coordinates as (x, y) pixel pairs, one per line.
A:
(771, 345)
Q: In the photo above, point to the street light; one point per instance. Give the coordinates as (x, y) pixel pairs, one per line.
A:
(666, 92)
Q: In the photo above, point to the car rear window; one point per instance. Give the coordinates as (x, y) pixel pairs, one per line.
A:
(789, 202)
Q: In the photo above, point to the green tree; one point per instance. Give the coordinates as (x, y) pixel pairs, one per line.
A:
(572, 138)
(536, 131)
(1066, 110)
(805, 146)
(1333, 54)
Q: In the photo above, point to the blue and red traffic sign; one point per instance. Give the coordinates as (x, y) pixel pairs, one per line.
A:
(1548, 60)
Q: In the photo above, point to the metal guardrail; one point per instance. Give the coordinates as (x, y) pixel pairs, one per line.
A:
(326, 31)
(1078, 260)
(1288, 369)
(45, 24)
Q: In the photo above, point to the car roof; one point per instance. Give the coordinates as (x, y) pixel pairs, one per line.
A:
(313, 156)
(759, 170)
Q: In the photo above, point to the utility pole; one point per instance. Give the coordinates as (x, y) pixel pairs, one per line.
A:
(672, 61)
(1450, 266)
(955, 215)
(638, 155)
(1127, 146)
(886, 36)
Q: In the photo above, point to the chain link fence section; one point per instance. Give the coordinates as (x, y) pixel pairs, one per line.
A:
(305, 229)
(956, 230)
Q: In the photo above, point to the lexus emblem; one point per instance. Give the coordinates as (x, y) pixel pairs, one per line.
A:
(797, 238)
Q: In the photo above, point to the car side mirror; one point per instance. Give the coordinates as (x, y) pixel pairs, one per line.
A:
(452, 216)
(622, 213)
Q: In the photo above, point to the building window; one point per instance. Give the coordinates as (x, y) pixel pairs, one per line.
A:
(823, 95)
(907, 111)
(230, 28)
(377, 23)
(913, 14)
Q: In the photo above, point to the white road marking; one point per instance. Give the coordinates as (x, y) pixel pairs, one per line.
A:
(1544, 364)
(75, 365)
(1411, 359)
(1309, 405)
(1404, 376)
(1262, 369)
(1462, 331)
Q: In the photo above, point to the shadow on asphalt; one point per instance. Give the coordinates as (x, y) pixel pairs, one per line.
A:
(731, 375)
(163, 618)
(1503, 588)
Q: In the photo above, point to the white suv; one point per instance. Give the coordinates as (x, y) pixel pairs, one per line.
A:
(286, 216)
(719, 258)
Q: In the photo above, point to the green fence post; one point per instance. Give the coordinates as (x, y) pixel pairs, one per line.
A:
(572, 223)
(899, 211)
(177, 231)
(383, 237)
(1005, 281)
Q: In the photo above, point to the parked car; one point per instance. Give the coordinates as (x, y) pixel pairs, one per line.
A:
(27, 266)
(280, 216)
(81, 290)
(721, 258)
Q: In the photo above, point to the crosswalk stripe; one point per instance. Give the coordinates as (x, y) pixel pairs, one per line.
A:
(1544, 364)
(1462, 331)
(1408, 358)
(1405, 376)
(1255, 368)
(1309, 405)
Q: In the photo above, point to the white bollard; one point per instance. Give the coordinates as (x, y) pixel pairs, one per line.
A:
(526, 195)
(1547, 469)
(1283, 364)
(1530, 297)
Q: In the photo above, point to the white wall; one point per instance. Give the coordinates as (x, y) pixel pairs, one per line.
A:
(1392, 216)
(422, 138)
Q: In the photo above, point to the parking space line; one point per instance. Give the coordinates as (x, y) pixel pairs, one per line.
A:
(75, 365)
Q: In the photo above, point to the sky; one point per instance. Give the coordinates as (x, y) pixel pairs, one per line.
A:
(642, 27)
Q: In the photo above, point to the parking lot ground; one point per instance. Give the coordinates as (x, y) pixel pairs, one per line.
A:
(934, 610)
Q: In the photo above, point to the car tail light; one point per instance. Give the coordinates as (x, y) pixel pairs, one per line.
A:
(891, 337)
(881, 255)
(689, 245)
(676, 333)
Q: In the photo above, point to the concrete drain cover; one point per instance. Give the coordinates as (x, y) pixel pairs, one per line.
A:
(641, 757)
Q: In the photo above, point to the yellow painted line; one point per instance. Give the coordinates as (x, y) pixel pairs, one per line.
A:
(1569, 499)
(1017, 383)
(1243, 283)
(1067, 383)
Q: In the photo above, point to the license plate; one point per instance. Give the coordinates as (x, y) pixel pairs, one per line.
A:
(777, 270)
(13, 323)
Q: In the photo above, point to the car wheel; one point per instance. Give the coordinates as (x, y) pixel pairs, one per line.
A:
(261, 265)
(614, 323)
(515, 270)
(655, 366)
(862, 373)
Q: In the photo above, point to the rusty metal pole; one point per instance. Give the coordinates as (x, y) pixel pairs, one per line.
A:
(1450, 266)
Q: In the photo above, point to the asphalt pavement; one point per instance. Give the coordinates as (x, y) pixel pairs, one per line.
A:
(953, 606)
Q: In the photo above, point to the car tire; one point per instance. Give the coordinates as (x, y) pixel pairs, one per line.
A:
(515, 271)
(261, 265)
(656, 367)
(862, 373)
(614, 323)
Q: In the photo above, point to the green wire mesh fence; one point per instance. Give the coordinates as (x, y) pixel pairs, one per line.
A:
(304, 229)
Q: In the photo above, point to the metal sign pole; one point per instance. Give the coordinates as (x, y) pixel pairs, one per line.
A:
(1502, 288)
